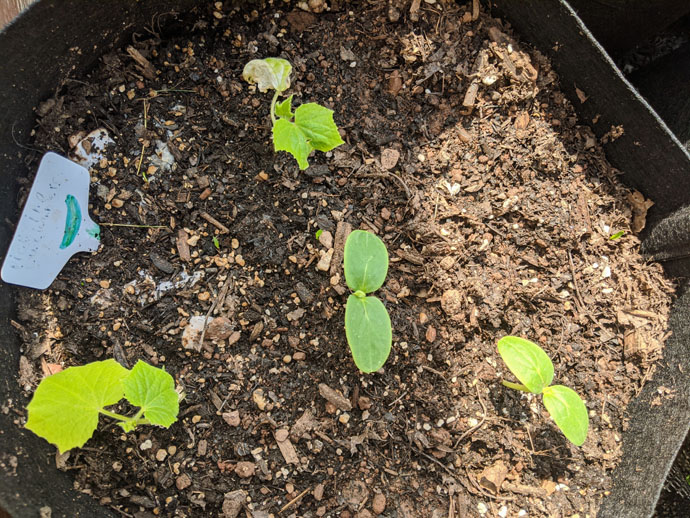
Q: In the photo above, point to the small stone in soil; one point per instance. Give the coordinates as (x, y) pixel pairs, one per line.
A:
(378, 505)
(202, 448)
(192, 333)
(324, 263)
(183, 482)
(245, 469)
(259, 399)
(232, 418)
(389, 158)
(451, 302)
(430, 334)
(318, 492)
(326, 239)
(218, 328)
(233, 502)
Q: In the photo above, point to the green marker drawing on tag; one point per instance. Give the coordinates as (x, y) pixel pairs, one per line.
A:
(53, 225)
(72, 222)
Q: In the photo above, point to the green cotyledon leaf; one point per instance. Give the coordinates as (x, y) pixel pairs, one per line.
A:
(368, 331)
(64, 409)
(527, 361)
(568, 412)
(153, 390)
(268, 73)
(365, 261)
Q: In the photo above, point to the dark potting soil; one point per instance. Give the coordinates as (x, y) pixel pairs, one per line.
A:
(497, 207)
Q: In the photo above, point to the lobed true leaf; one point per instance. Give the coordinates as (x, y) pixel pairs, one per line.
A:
(153, 390)
(313, 128)
(64, 409)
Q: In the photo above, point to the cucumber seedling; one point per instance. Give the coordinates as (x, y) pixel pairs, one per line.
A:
(532, 366)
(300, 132)
(65, 407)
(367, 324)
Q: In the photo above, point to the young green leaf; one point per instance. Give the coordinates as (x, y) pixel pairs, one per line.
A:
(269, 73)
(288, 137)
(527, 361)
(313, 129)
(64, 409)
(153, 390)
(284, 109)
(617, 235)
(316, 122)
(568, 411)
(368, 331)
(365, 261)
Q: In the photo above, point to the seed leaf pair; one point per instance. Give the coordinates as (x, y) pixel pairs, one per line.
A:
(65, 407)
(532, 366)
(367, 323)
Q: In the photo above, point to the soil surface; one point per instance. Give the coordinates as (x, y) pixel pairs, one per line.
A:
(497, 208)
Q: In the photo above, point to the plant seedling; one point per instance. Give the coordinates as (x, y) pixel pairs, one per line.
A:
(309, 127)
(532, 366)
(66, 406)
(367, 324)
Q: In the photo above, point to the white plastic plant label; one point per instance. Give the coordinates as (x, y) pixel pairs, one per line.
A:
(54, 225)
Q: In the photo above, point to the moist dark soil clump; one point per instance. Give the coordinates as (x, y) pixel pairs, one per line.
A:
(496, 206)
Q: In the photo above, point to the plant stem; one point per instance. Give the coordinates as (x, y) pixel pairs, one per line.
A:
(273, 107)
(119, 417)
(135, 420)
(515, 386)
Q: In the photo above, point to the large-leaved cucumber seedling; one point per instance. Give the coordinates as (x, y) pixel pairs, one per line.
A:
(66, 406)
(309, 127)
(367, 324)
(532, 366)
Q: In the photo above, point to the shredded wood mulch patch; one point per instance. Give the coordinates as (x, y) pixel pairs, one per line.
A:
(496, 206)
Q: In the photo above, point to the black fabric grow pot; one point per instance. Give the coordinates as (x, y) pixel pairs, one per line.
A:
(38, 51)
(54, 39)
(653, 161)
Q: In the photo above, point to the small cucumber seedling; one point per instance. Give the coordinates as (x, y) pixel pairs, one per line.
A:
(532, 366)
(367, 324)
(66, 405)
(309, 127)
